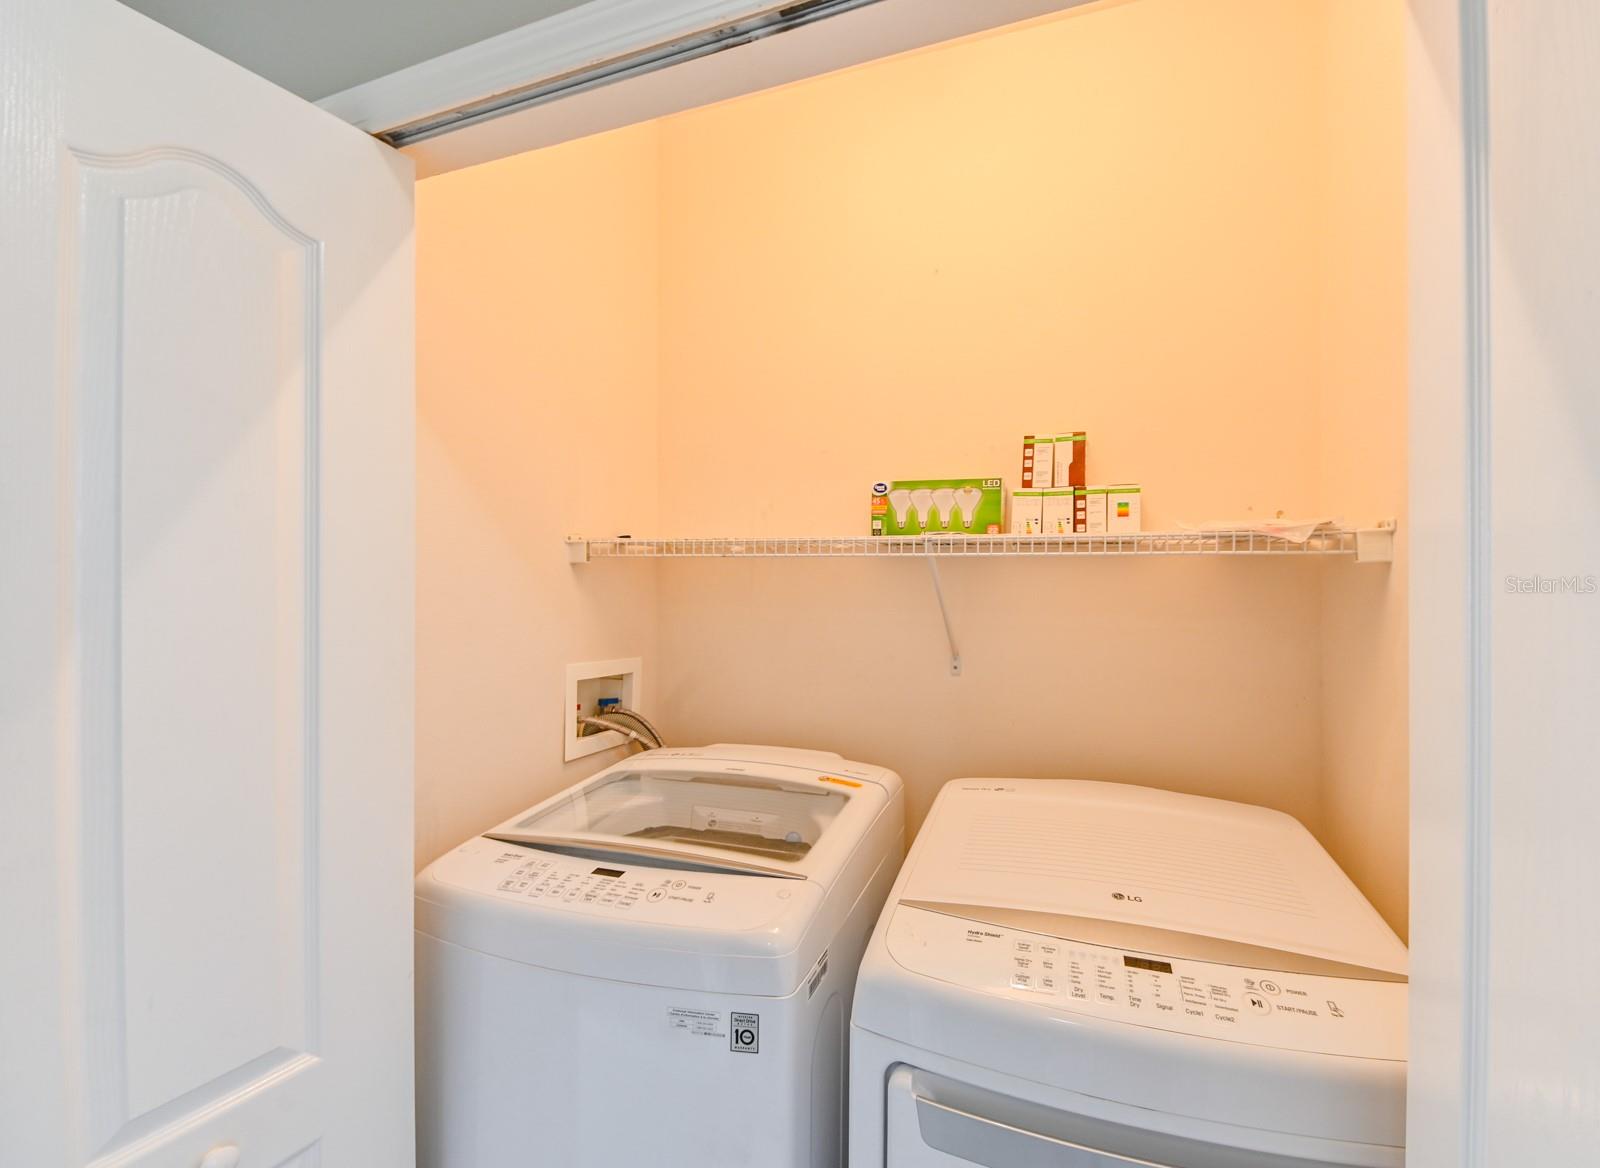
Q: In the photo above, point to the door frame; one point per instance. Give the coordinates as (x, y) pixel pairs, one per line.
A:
(581, 50)
(1450, 582)
(567, 41)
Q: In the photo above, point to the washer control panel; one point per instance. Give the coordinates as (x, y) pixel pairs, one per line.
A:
(1329, 1015)
(622, 889)
(660, 895)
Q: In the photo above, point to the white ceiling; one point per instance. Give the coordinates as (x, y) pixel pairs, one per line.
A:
(318, 47)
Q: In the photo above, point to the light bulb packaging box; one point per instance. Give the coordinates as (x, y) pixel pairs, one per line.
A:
(1027, 512)
(1056, 511)
(1122, 508)
(1071, 460)
(938, 507)
(1090, 509)
(1038, 462)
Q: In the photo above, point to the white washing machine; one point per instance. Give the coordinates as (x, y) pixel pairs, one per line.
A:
(1092, 975)
(654, 968)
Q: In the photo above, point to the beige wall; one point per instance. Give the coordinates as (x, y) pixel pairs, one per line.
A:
(1364, 794)
(1177, 226)
(1133, 220)
(1193, 676)
(536, 399)
(1104, 222)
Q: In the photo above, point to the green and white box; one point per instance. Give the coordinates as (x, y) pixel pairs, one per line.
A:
(1038, 462)
(1071, 460)
(938, 507)
(1122, 508)
(1092, 514)
(1057, 511)
(1027, 512)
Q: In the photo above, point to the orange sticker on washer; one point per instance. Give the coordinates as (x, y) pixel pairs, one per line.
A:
(841, 782)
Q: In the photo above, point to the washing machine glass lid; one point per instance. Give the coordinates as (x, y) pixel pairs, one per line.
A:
(745, 822)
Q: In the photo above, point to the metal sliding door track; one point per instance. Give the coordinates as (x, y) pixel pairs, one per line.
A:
(664, 56)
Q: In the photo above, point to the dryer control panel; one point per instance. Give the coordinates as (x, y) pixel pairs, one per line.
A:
(1294, 1011)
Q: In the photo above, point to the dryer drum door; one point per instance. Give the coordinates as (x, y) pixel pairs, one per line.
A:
(936, 1123)
(955, 1137)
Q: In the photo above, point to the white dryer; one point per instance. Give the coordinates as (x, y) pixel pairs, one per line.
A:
(1091, 975)
(654, 968)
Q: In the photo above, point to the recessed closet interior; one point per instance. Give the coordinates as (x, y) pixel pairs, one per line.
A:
(1179, 227)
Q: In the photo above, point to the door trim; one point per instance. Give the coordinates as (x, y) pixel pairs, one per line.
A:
(611, 70)
(1479, 793)
(579, 38)
(1450, 582)
(610, 63)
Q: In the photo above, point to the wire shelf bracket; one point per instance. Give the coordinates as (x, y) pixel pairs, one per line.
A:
(944, 611)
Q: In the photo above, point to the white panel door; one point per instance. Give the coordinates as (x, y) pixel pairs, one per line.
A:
(1539, 1081)
(1505, 586)
(205, 504)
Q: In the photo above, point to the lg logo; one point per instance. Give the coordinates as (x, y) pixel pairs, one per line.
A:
(1125, 896)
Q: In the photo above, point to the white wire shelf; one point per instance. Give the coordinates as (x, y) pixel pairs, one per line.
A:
(1372, 545)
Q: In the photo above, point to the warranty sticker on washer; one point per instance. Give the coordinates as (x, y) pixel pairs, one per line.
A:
(699, 1023)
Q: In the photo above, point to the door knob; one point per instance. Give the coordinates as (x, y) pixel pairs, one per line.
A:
(221, 1156)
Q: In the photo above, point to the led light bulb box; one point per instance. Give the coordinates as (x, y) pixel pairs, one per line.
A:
(1038, 462)
(1071, 460)
(938, 507)
(1122, 508)
(1027, 512)
(1092, 513)
(1057, 511)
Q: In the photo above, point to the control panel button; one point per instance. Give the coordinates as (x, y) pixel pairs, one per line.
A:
(1270, 987)
(1257, 1004)
(657, 894)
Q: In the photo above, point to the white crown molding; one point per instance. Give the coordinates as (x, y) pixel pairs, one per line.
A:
(579, 38)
